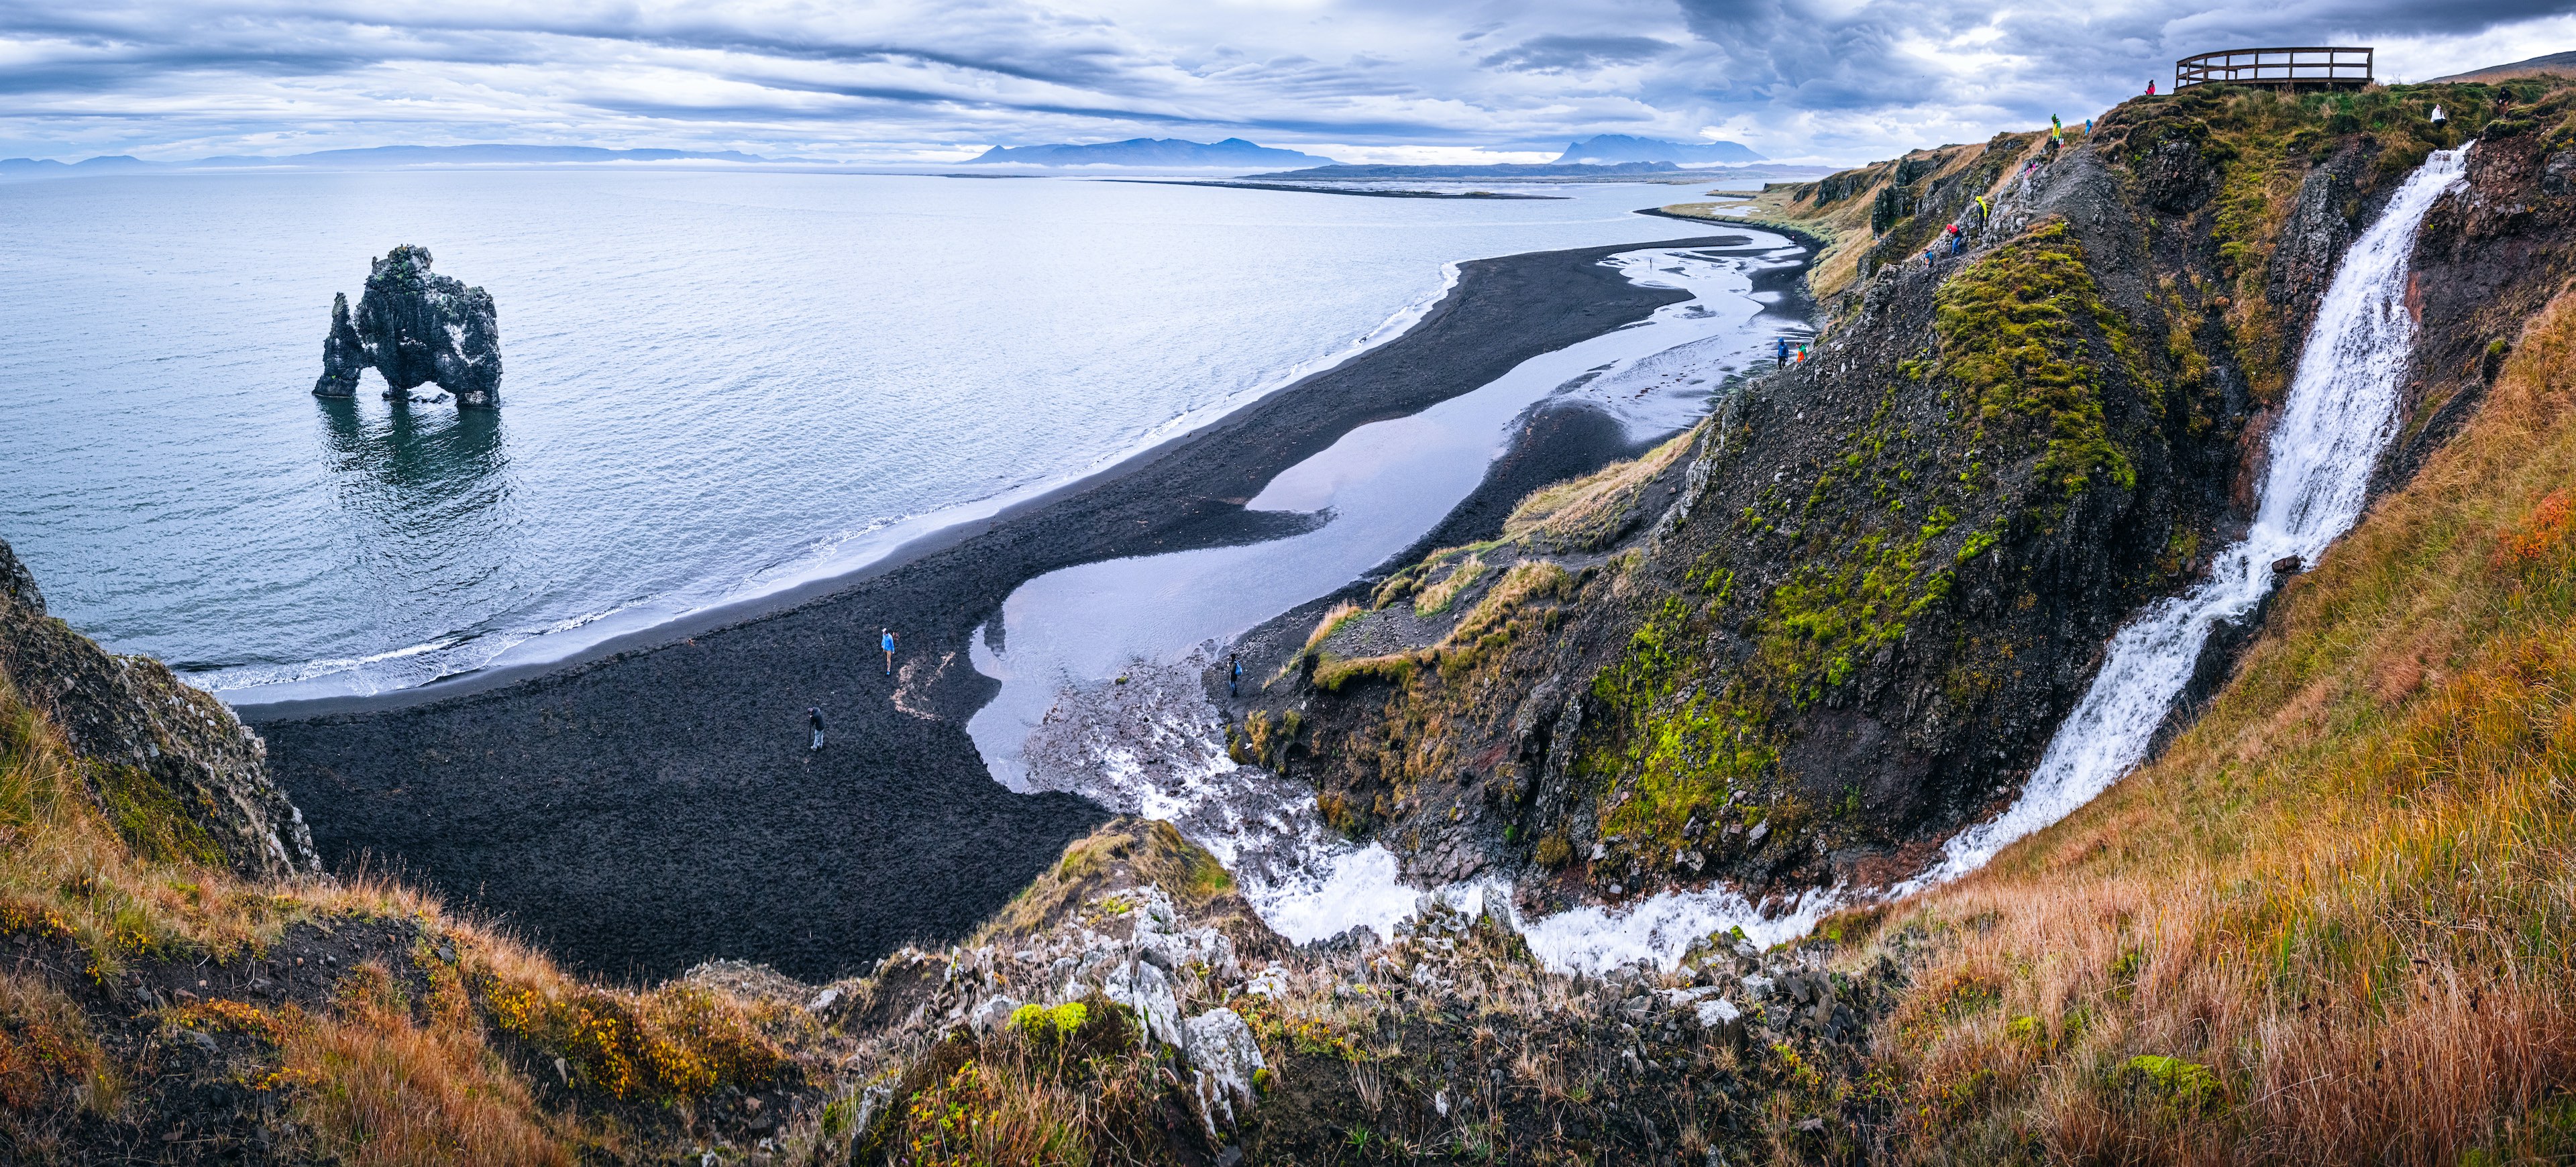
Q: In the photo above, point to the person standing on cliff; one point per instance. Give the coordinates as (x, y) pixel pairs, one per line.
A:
(885, 640)
(1233, 673)
(814, 718)
(1780, 355)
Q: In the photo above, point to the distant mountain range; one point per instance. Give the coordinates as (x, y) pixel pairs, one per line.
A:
(381, 158)
(1611, 149)
(1150, 152)
(1501, 170)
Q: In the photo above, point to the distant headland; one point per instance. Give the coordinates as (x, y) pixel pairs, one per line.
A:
(1150, 152)
(1612, 149)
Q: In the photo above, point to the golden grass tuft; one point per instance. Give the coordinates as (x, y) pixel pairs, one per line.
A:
(1121, 852)
(378, 1088)
(1083, 1093)
(1435, 598)
(1587, 513)
(2349, 890)
(1340, 614)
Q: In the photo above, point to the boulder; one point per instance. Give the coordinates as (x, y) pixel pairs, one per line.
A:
(1224, 1058)
(1142, 987)
(169, 764)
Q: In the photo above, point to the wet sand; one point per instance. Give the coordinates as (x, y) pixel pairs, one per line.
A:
(648, 809)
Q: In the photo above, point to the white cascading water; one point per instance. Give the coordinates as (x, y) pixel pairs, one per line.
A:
(2342, 409)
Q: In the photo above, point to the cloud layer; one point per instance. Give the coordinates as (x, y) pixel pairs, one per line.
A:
(1366, 80)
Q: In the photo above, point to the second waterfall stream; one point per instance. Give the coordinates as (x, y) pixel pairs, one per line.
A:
(2341, 411)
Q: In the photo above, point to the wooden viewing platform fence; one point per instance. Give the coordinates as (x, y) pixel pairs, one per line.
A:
(2322, 68)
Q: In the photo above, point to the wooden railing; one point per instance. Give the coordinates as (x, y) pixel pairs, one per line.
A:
(2325, 68)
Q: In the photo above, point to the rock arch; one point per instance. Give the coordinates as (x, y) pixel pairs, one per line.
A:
(415, 327)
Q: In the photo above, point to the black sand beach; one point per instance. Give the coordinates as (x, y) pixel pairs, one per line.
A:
(642, 812)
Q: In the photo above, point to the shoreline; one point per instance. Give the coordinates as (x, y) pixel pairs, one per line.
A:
(655, 805)
(1374, 194)
(1815, 243)
(900, 543)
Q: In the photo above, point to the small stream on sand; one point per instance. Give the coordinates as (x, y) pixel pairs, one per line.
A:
(1101, 664)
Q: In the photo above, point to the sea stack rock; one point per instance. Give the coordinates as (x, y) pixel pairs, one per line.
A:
(415, 327)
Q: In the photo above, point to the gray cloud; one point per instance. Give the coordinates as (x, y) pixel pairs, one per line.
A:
(893, 78)
(1553, 54)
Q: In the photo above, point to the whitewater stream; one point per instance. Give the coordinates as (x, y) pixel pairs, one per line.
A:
(1146, 741)
(2341, 412)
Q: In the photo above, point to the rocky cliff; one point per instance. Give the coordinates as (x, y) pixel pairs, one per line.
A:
(414, 327)
(169, 766)
(1845, 620)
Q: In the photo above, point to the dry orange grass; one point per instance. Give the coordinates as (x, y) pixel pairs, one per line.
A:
(370, 1082)
(2349, 891)
(381, 1089)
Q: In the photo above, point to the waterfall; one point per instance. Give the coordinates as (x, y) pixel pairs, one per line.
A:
(2342, 409)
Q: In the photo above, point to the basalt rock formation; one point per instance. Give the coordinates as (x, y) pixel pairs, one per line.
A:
(170, 766)
(415, 327)
(1853, 610)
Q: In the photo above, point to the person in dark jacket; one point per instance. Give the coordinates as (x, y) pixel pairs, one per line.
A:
(814, 717)
(1233, 673)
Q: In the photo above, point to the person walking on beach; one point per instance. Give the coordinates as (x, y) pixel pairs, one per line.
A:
(885, 640)
(814, 718)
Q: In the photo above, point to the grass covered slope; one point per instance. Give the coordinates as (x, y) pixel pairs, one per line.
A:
(156, 1005)
(2332, 923)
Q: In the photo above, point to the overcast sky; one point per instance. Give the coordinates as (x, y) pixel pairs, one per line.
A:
(1838, 81)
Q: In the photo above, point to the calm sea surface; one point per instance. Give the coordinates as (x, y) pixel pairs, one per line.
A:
(712, 381)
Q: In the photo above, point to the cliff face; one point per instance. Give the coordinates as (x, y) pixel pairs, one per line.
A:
(415, 327)
(1885, 575)
(169, 766)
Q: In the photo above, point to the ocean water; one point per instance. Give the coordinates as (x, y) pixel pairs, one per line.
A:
(715, 382)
